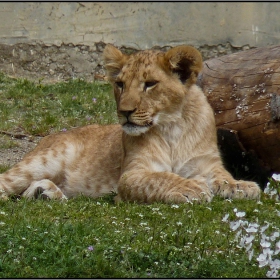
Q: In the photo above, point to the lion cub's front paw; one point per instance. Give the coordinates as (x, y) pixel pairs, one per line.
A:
(191, 193)
(237, 189)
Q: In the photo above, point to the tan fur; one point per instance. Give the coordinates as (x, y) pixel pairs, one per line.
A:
(165, 148)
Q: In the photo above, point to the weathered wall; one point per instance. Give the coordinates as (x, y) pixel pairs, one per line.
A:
(65, 39)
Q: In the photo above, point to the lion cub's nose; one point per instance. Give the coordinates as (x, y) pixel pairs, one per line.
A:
(127, 113)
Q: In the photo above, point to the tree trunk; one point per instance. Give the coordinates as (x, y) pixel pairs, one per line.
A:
(244, 91)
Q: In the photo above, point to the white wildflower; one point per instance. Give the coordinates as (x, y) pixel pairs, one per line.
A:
(252, 227)
(265, 244)
(250, 255)
(143, 224)
(248, 247)
(274, 236)
(179, 223)
(235, 225)
(276, 177)
(240, 214)
(272, 274)
(175, 206)
(277, 248)
(249, 239)
(264, 228)
(225, 218)
(262, 259)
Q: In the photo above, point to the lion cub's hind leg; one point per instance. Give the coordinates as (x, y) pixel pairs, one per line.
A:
(45, 189)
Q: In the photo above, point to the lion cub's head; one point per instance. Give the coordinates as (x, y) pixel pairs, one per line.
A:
(150, 86)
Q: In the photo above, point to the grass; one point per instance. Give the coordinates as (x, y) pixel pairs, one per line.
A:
(92, 238)
(39, 109)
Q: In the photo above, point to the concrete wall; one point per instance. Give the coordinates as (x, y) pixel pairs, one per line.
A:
(65, 39)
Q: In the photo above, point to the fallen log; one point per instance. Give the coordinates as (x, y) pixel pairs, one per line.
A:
(244, 91)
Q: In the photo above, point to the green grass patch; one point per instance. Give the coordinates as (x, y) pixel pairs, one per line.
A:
(84, 237)
(39, 109)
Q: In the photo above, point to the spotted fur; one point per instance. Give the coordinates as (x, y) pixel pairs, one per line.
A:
(164, 149)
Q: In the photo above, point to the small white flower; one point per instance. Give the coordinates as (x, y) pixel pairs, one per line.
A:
(275, 264)
(150, 239)
(277, 246)
(179, 223)
(264, 228)
(225, 218)
(272, 274)
(274, 236)
(268, 252)
(249, 239)
(175, 206)
(143, 224)
(234, 225)
(265, 244)
(276, 177)
(237, 235)
(250, 255)
(2, 223)
(262, 260)
(240, 214)
(242, 242)
(252, 227)
(248, 247)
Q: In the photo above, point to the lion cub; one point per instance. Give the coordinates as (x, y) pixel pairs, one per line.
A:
(164, 149)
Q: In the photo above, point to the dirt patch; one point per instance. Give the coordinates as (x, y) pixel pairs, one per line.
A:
(19, 147)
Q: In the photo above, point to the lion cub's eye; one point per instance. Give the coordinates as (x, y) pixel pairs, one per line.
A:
(149, 84)
(119, 84)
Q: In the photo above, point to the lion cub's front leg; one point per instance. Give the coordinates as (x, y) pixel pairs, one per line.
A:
(226, 186)
(167, 187)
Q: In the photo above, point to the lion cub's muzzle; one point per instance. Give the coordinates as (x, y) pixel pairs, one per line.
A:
(134, 123)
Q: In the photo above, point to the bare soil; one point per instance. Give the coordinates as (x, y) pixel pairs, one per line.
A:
(12, 155)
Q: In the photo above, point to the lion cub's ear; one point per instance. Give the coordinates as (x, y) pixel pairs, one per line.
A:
(114, 60)
(185, 61)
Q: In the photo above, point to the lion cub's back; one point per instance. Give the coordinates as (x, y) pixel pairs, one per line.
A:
(90, 158)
